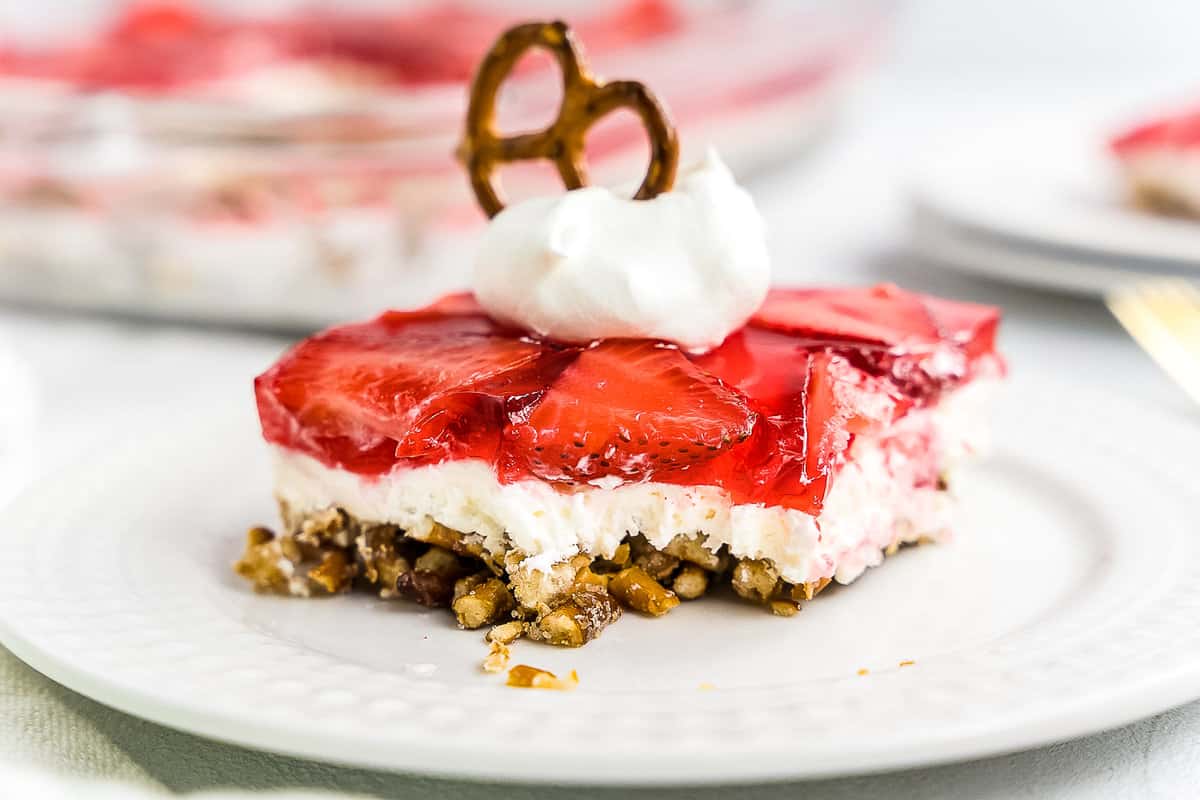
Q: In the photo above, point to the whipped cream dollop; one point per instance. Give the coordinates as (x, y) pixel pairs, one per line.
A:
(689, 266)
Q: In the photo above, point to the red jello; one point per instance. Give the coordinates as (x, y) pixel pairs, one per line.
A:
(1177, 132)
(168, 45)
(767, 415)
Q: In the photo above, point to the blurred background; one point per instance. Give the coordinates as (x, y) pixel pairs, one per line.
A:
(286, 164)
(187, 186)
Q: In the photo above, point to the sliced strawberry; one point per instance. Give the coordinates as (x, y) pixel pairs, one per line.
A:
(923, 344)
(769, 368)
(812, 404)
(881, 315)
(628, 408)
(843, 402)
(407, 385)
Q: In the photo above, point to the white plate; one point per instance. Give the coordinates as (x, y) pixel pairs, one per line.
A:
(16, 424)
(1067, 605)
(1042, 204)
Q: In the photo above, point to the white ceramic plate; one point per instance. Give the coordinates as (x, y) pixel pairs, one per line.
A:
(1043, 205)
(1067, 605)
(16, 424)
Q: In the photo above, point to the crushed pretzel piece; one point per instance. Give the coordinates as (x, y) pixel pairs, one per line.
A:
(478, 602)
(497, 658)
(809, 590)
(755, 579)
(690, 583)
(264, 563)
(578, 619)
(784, 608)
(507, 633)
(526, 677)
(634, 588)
(335, 573)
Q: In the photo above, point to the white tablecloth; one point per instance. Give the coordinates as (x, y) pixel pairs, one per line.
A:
(836, 218)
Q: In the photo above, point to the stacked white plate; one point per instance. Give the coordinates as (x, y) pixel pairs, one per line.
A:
(1043, 205)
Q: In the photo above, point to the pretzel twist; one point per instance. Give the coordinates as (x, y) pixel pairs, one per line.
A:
(585, 100)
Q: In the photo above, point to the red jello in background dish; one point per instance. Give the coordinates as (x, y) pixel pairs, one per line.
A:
(766, 416)
(288, 164)
(165, 46)
(1159, 160)
(1178, 131)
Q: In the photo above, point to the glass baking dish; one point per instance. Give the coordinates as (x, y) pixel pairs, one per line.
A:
(296, 168)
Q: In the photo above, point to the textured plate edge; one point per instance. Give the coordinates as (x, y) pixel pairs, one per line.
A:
(952, 747)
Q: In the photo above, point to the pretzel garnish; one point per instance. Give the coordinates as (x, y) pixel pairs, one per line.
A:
(585, 100)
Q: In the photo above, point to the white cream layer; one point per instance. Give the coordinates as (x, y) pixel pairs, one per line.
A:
(871, 506)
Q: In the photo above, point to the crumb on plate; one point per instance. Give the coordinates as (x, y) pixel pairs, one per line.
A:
(497, 658)
(526, 677)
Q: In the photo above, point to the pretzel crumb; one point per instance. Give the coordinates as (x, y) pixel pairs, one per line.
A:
(497, 658)
(524, 676)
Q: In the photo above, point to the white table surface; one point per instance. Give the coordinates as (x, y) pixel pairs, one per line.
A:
(837, 217)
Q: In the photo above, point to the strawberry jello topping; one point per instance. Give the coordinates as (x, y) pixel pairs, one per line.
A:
(768, 416)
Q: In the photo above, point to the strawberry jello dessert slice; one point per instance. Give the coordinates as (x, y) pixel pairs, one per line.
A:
(621, 415)
(1161, 163)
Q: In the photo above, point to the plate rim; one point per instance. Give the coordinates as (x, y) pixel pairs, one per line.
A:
(946, 244)
(1167, 694)
(957, 236)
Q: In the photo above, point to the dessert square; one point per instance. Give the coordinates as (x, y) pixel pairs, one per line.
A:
(440, 456)
(623, 413)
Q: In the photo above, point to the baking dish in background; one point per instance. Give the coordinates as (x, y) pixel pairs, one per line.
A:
(291, 168)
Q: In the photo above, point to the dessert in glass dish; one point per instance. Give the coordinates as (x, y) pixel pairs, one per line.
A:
(1161, 163)
(623, 414)
(285, 167)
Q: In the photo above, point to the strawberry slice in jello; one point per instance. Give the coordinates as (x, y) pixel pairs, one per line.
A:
(412, 387)
(633, 409)
(882, 315)
(811, 404)
(922, 343)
